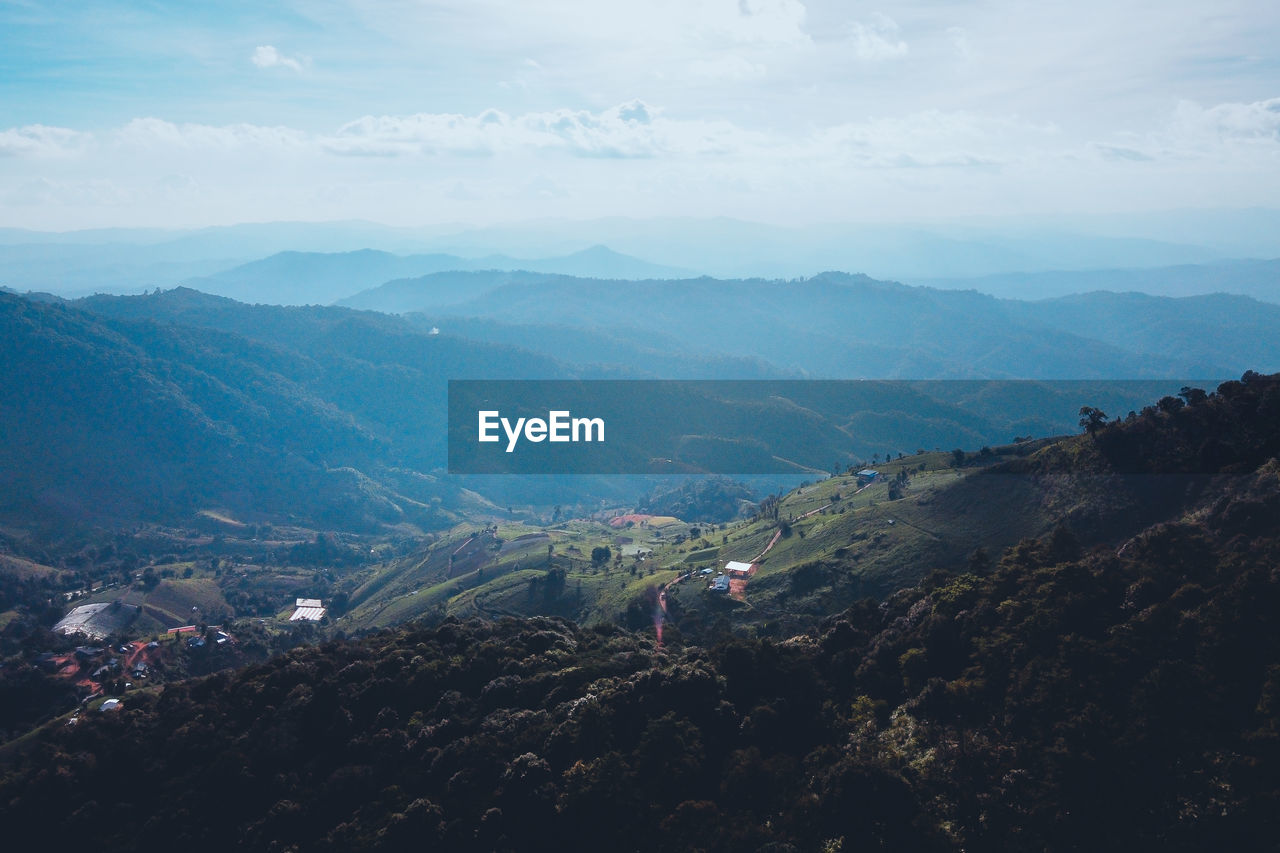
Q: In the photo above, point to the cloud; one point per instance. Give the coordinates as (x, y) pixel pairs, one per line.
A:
(876, 40)
(637, 157)
(1231, 133)
(629, 130)
(266, 56)
(933, 138)
(1256, 123)
(37, 140)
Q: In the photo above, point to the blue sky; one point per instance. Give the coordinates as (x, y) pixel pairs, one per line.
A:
(404, 112)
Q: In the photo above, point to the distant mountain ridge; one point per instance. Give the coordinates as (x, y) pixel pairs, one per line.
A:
(839, 325)
(316, 278)
(1257, 278)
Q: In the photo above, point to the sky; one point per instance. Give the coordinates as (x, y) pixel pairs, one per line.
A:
(486, 111)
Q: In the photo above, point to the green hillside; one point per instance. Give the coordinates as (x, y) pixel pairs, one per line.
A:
(841, 543)
(1073, 692)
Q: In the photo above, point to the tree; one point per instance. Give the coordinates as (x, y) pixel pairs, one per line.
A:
(1193, 396)
(1091, 419)
(600, 555)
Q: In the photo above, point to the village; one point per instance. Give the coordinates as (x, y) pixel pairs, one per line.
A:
(105, 667)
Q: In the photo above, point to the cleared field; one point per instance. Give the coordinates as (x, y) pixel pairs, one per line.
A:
(174, 597)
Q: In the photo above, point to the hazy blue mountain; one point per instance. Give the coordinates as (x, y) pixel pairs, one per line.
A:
(73, 269)
(596, 262)
(319, 278)
(129, 260)
(732, 248)
(839, 325)
(434, 291)
(1257, 278)
(1217, 328)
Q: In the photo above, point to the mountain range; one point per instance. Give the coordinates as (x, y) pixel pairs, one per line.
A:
(178, 402)
(1096, 687)
(313, 278)
(837, 325)
(1186, 254)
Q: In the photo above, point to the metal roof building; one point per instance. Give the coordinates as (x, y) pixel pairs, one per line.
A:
(311, 612)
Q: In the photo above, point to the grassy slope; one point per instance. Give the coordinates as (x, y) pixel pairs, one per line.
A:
(861, 543)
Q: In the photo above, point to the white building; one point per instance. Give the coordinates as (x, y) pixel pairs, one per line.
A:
(307, 610)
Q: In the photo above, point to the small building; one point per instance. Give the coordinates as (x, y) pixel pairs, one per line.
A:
(867, 476)
(735, 569)
(111, 705)
(719, 584)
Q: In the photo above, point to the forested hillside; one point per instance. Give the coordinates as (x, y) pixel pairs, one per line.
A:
(150, 408)
(1061, 697)
(120, 419)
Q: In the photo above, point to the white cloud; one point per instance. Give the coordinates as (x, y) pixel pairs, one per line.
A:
(637, 158)
(41, 140)
(629, 130)
(266, 56)
(934, 138)
(1234, 134)
(877, 39)
(1256, 123)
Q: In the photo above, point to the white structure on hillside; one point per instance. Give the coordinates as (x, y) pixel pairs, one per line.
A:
(307, 610)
